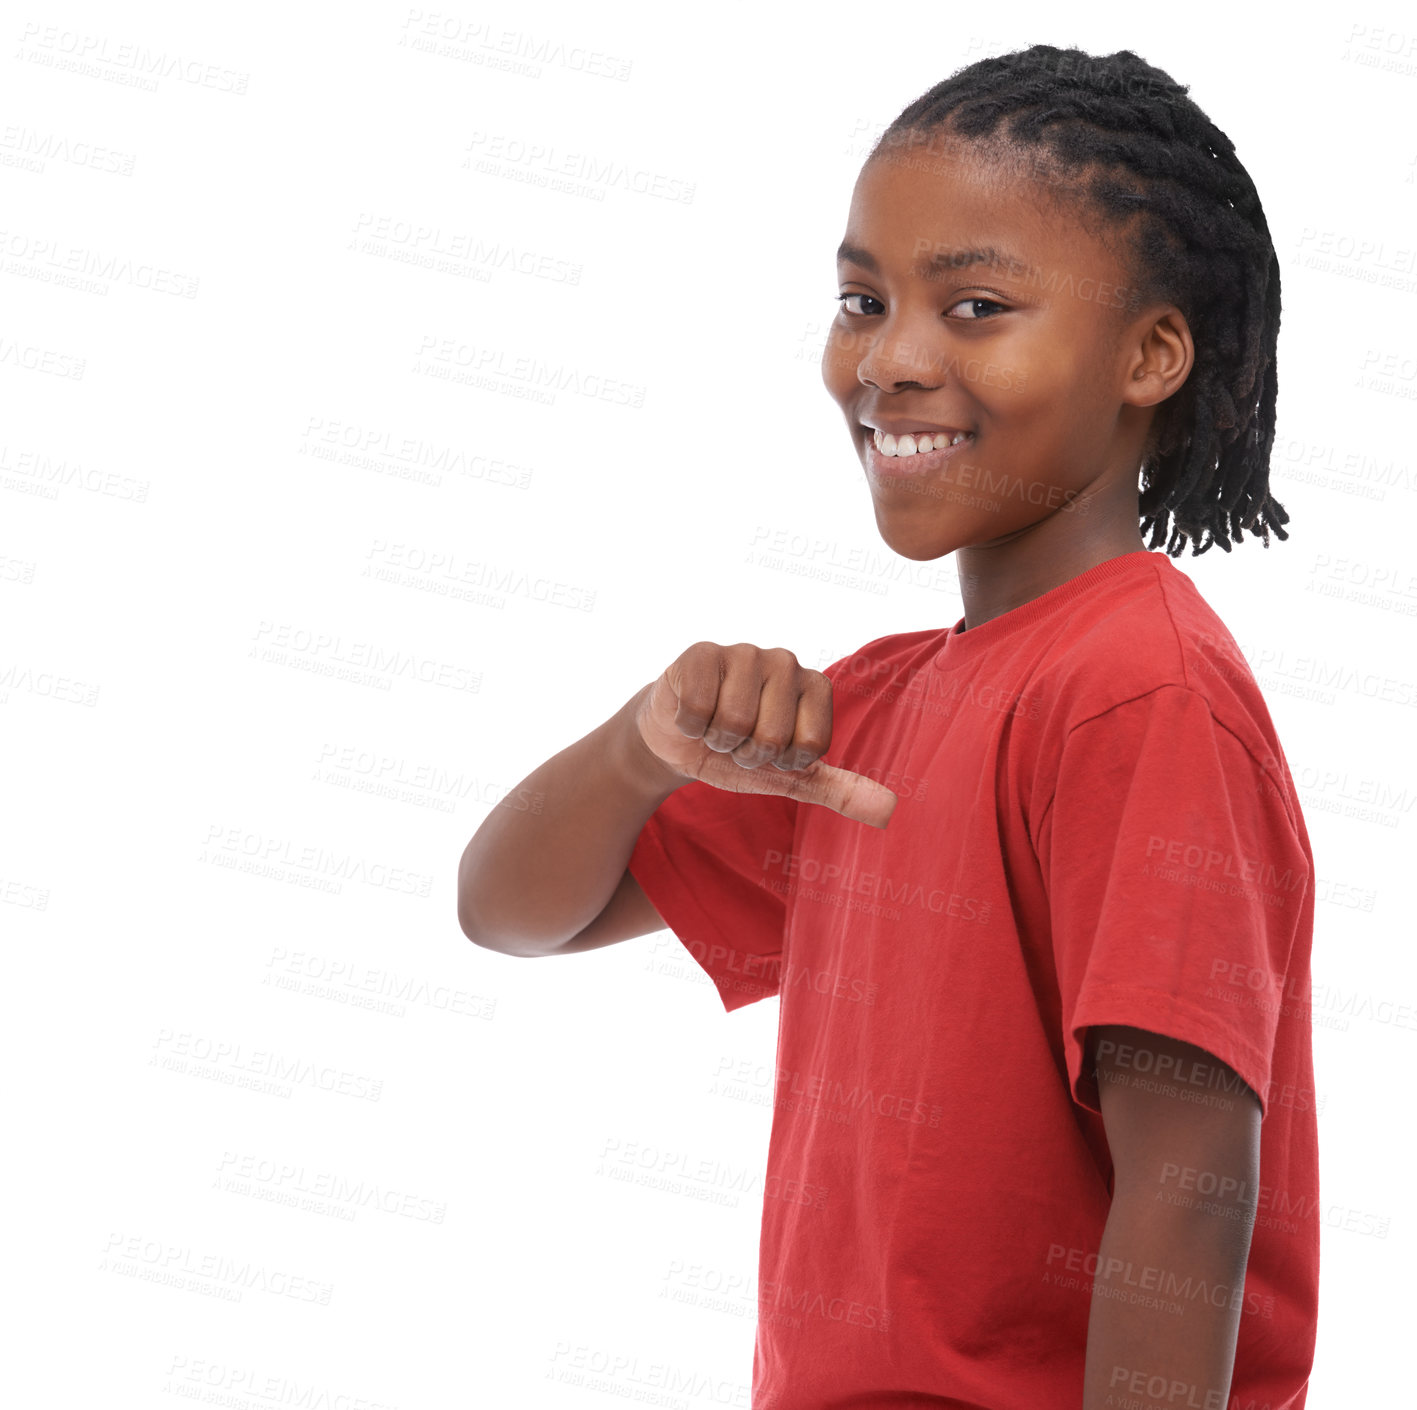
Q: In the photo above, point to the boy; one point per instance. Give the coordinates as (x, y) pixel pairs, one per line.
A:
(1043, 1054)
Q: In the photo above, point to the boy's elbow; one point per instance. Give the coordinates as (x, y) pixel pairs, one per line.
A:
(501, 940)
(469, 930)
(473, 928)
(487, 938)
(468, 920)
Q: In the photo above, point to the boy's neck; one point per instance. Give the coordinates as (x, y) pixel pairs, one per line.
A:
(997, 578)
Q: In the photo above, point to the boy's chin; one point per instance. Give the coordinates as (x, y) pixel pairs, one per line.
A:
(921, 543)
(932, 534)
(929, 535)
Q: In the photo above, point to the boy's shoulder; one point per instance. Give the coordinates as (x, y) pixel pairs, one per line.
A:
(1142, 633)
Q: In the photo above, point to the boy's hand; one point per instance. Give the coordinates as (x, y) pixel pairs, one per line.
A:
(720, 713)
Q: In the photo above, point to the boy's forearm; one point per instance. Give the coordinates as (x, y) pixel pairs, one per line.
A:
(1156, 1338)
(530, 880)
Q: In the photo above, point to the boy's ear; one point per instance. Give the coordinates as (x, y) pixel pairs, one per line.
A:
(1161, 357)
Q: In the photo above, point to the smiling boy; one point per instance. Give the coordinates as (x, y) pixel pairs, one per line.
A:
(1026, 1139)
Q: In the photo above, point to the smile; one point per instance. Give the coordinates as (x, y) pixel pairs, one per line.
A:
(914, 453)
(918, 444)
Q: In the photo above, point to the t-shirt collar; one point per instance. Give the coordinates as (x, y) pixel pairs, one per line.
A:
(963, 647)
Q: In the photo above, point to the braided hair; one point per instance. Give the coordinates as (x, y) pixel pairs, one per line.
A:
(1196, 237)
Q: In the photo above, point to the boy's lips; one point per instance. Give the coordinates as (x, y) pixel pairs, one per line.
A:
(892, 427)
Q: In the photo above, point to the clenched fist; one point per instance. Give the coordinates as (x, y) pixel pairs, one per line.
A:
(720, 714)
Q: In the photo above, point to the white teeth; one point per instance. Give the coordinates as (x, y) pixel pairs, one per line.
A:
(913, 445)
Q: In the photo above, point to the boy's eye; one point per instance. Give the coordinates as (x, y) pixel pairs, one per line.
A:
(974, 305)
(857, 312)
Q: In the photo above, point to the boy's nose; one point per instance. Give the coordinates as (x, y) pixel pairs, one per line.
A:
(890, 363)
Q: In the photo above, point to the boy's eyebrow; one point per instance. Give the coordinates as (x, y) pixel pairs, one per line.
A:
(941, 259)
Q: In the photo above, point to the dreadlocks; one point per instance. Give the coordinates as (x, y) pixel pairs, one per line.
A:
(1163, 172)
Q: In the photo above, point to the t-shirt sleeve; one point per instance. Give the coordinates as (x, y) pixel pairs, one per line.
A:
(706, 858)
(1173, 866)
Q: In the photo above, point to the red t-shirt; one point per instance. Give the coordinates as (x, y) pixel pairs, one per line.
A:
(1096, 825)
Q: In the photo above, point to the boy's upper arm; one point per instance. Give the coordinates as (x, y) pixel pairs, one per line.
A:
(1164, 1142)
(627, 914)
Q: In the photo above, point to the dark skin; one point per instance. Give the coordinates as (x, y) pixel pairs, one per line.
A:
(1057, 383)
(1046, 355)
(1171, 1139)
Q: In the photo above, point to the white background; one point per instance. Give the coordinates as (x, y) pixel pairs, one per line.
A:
(230, 406)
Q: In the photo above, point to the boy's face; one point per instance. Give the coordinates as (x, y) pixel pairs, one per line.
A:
(1023, 333)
